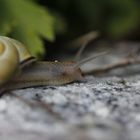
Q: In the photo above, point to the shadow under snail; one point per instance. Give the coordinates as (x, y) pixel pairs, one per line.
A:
(20, 70)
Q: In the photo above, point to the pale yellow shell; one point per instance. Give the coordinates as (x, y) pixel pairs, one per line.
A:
(12, 53)
(22, 50)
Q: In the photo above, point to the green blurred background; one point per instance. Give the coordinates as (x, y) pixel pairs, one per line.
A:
(35, 22)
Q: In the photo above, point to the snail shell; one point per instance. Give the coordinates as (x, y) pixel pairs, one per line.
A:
(12, 56)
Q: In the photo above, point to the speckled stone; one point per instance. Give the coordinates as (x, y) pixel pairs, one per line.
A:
(99, 108)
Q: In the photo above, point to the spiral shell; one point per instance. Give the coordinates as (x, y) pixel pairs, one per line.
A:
(12, 54)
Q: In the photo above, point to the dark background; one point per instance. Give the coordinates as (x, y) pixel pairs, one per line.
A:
(48, 27)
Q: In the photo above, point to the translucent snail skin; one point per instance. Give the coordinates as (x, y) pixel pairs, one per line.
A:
(20, 70)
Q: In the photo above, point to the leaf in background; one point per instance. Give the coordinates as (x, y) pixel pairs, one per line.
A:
(28, 22)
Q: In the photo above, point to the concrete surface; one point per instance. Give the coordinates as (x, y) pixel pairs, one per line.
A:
(97, 109)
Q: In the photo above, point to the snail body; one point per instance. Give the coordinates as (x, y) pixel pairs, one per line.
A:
(46, 73)
(15, 57)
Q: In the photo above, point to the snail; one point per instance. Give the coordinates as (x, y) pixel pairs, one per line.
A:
(20, 70)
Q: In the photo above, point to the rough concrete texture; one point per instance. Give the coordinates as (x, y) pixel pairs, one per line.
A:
(99, 108)
(96, 109)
